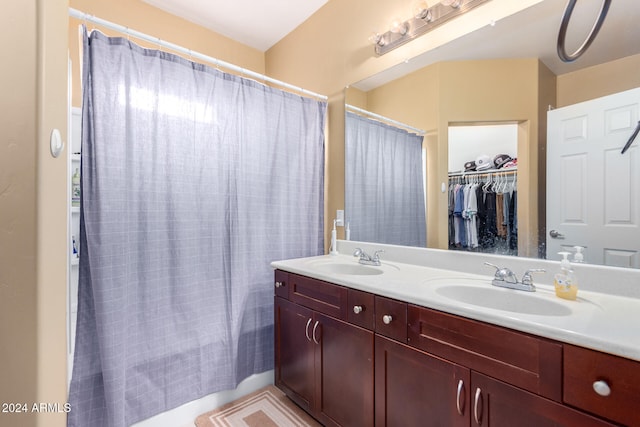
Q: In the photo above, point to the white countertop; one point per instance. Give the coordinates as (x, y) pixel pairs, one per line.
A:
(604, 322)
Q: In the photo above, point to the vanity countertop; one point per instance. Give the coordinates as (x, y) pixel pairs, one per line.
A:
(599, 321)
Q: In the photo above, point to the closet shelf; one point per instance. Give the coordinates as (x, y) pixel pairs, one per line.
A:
(487, 172)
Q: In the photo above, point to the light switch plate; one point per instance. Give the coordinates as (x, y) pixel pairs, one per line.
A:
(340, 218)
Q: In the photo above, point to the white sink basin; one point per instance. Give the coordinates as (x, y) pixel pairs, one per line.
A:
(504, 299)
(350, 269)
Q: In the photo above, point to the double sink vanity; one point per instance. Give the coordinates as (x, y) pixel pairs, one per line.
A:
(419, 341)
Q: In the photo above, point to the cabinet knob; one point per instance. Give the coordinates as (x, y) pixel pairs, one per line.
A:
(602, 388)
(279, 284)
(386, 319)
(357, 309)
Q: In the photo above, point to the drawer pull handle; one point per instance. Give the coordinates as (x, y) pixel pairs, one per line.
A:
(459, 395)
(315, 340)
(279, 284)
(602, 388)
(357, 309)
(477, 410)
(386, 319)
(306, 330)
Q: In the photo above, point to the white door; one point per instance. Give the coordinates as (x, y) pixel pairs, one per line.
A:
(593, 190)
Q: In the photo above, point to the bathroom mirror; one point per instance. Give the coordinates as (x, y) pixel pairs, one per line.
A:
(506, 73)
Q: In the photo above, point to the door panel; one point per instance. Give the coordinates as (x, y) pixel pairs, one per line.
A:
(414, 388)
(593, 195)
(344, 373)
(500, 405)
(294, 352)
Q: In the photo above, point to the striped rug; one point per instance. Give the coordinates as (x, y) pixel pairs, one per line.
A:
(267, 407)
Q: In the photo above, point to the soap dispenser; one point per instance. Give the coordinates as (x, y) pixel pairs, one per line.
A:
(565, 282)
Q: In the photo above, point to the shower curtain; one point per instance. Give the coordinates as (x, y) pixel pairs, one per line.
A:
(193, 181)
(384, 183)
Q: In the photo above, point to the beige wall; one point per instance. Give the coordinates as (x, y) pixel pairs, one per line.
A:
(18, 279)
(33, 215)
(599, 80)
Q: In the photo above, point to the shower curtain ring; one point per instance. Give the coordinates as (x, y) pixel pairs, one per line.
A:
(562, 53)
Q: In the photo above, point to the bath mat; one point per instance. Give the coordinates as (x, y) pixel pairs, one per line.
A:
(267, 407)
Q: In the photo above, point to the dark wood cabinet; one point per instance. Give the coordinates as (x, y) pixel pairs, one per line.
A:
(603, 384)
(524, 360)
(323, 363)
(294, 352)
(344, 373)
(414, 388)
(351, 358)
(496, 404)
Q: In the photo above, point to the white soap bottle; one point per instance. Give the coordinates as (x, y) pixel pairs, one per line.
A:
(333, 249)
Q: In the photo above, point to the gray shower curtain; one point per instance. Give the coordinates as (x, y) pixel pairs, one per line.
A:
(193, 181)
(384, 183)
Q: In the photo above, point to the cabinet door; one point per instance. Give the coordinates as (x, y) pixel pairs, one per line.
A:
(344, 373)
(414, 388)
(497, 404)
(294, 348)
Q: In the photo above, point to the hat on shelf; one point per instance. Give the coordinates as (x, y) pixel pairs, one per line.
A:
(501, 159)
(470, 166)
(510, 164)
(484, 162)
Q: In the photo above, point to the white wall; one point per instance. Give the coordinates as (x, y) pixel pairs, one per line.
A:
(466, 143)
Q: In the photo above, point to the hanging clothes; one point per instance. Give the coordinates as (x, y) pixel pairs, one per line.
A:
(483, 213)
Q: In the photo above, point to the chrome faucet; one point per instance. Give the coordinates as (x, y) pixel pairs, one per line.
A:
(367, 259)
(506, 278)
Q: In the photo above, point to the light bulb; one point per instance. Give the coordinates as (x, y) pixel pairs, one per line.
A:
(377, 38)
(421, 10)
(452, 3)
(399, 27)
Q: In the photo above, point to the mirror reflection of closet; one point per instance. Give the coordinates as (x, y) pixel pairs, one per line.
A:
(483, 188)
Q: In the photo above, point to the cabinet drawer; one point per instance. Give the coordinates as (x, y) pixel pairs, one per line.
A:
(281, 283)
(318, 295)
(360, 309)
(391, 318)
(583, 368)
(523, 360)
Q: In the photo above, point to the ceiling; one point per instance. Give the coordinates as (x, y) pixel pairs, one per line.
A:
(533, 33)
(256, 23)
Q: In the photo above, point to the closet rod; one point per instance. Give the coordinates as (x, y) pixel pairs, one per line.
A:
(74, 13)
(384, 119)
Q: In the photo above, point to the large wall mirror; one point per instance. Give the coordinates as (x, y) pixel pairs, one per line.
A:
(508, 74)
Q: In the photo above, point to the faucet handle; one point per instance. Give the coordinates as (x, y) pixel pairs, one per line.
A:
(376, 256)
(503, 274)
(527, 279)
(358, 252)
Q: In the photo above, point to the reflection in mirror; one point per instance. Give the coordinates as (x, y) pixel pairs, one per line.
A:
(510, 72)
(482, 190)
(384, 191)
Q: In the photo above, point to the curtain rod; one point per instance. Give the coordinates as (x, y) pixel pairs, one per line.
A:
(74, 13)
(384, 119)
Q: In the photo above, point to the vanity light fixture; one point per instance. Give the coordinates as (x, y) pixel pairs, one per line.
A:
(424, 20)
